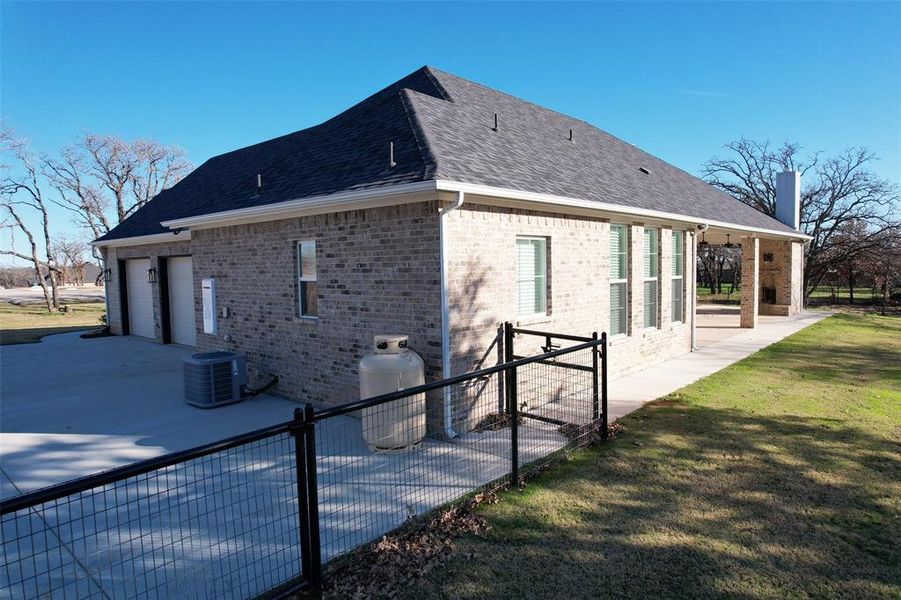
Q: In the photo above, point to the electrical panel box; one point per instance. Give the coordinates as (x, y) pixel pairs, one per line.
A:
(208, 296)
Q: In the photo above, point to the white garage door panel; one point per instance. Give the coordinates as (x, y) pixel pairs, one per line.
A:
(181, 300)
(140, 298)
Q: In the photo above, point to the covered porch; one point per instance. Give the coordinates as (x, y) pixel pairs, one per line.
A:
(769, 273)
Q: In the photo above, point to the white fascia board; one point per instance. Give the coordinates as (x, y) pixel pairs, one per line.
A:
(352, 200)
(615, 209)
(402, 193)
(156, 238)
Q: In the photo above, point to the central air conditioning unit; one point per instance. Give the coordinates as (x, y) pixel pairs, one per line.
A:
(215, 378)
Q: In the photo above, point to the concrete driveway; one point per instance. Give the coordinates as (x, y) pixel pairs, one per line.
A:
(71, 407)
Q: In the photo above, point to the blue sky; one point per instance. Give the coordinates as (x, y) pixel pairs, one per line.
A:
(677, 79)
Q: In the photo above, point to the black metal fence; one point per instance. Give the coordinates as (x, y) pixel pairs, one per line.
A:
(258, 514)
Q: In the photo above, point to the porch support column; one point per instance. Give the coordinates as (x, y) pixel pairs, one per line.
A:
(750, 281)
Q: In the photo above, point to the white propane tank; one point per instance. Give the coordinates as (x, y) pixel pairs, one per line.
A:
(393, 367)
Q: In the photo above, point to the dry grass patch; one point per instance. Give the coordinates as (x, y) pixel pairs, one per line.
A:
(25, 324)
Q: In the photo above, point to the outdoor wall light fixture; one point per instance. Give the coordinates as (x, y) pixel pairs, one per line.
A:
(107, 275)
(151, 275)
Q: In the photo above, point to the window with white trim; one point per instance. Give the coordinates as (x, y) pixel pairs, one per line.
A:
(678, 308)
(307, 290)
(651, 276)
(531, 276)
(619, 279)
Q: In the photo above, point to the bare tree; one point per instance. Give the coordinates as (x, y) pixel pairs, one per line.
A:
(21, 189)
(131, 172)
(103, 179)
(714, 260)
(836, 192)
(70, 256)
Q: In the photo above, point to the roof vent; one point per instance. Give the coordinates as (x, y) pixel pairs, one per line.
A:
(391, 163)
(259, 180)
(571, 136)
(495, 123)
(645, 170)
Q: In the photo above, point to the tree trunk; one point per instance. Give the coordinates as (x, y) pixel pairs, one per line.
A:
(851, 288)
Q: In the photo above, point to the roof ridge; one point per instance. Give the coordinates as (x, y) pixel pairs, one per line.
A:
(438, 85)
(429, 160)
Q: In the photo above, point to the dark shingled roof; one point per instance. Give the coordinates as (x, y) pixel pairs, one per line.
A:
(441, 126)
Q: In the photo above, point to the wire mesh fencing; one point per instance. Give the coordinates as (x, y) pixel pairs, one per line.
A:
(221, 524)
(384, 461)
(260, 513)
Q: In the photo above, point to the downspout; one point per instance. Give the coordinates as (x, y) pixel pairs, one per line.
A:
(694, 286)
(445, 318)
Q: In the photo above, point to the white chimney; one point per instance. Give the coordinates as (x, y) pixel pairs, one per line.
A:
(788, 198)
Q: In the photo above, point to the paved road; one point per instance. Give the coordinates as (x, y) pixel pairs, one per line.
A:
(86, 293)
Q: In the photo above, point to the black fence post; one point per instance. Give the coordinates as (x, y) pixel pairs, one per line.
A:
(604, 358)
(514, 427)
(300, 462)
(508, 356)
(595, 399)
(512, 404)
(315, 547)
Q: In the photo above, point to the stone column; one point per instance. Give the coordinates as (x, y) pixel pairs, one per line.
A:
(750, 281)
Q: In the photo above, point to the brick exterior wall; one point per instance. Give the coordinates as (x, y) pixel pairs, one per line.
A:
(785, 273)
(482, 291)
(154, 252)
(377, 270)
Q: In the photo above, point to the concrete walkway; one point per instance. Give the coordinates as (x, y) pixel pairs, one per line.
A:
(724, 344)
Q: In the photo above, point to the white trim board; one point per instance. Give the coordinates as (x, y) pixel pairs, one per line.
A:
(156, 238)
(418, 191)
(341, 201)
(534, 200)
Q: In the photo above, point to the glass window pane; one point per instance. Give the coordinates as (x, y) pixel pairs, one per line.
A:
(618, 308)
(677, 300)
(650, 303)
(531, 276)
(678, 253)
(650, 253)
(618, 251)
(309, 301)
(308, 259)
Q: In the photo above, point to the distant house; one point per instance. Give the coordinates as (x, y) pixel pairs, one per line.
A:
(437, 208)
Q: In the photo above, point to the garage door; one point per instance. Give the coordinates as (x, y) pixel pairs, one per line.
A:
(140, 298)
(181, 300)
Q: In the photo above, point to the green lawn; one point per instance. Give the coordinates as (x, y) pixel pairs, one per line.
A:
(825, 294)
(777, 477)
(730, 295)
(29, 323)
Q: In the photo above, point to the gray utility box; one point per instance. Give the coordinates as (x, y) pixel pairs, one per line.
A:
(215, 378)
